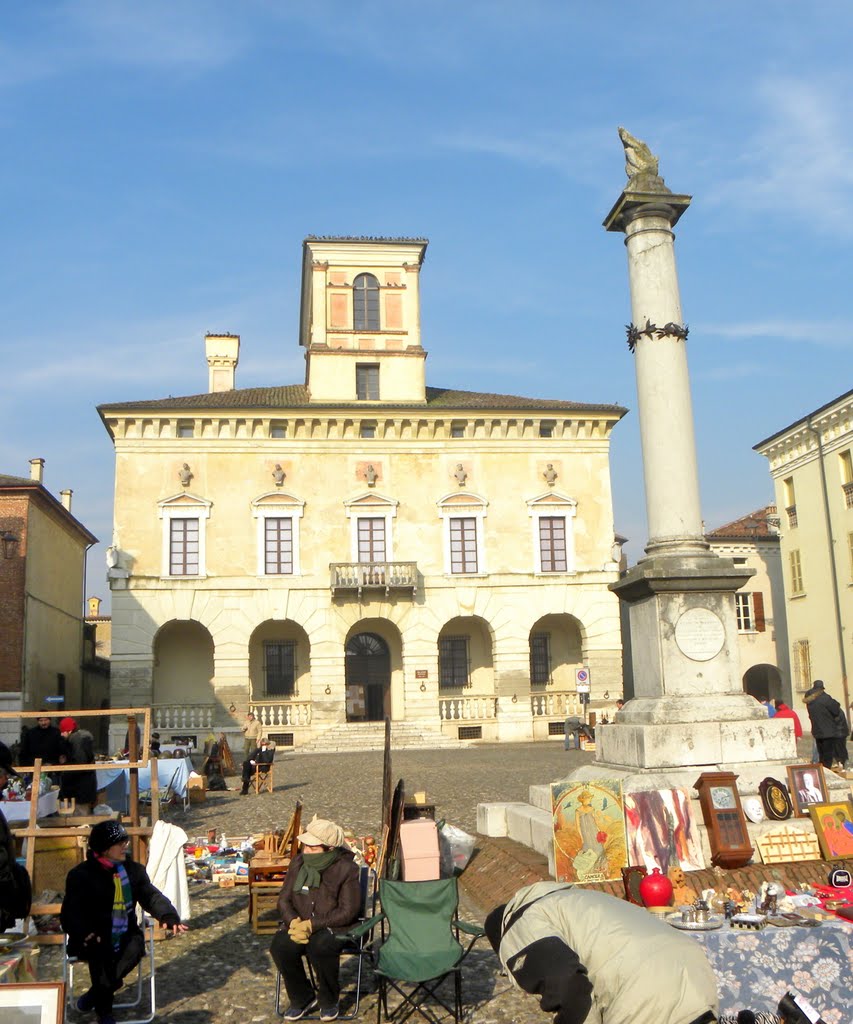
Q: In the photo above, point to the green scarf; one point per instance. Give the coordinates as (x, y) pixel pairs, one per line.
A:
(313, 866)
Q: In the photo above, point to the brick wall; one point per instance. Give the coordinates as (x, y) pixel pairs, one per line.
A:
(13, 519)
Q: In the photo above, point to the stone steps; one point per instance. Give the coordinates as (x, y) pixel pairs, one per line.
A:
(371, 736)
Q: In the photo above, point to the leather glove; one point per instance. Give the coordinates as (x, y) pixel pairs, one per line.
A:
(300, 932)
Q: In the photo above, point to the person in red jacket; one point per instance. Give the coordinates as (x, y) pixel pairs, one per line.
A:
(783, 711)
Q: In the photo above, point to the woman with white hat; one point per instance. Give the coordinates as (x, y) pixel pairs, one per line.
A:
(320, 897)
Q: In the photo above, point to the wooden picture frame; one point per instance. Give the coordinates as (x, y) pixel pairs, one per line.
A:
(805, 782)
(631, 878)
(724, 819)
(18, 1003)
(833, 825)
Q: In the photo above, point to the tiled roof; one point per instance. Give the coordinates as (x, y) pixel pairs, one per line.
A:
(295, 396)
(17, 481)
(760, 525)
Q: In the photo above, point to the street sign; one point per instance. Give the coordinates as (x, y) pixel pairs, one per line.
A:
(583, 697)
(54, 700)
(582, 680)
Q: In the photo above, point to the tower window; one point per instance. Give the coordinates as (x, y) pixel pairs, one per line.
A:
(367, 381)
(365, 303)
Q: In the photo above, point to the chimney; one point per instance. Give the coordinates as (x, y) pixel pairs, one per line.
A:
(223, 354)
(37, 470)
(65, 498)
(94, 604)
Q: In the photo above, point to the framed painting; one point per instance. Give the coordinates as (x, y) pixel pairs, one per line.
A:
(631, 878)
(38, 1003)
(833, 824)
(589, 831)
(806, 786)
(662, 831)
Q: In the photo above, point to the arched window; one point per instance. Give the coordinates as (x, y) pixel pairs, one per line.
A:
(365, 303)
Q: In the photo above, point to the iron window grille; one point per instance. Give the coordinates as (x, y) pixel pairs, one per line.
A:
(453, 668)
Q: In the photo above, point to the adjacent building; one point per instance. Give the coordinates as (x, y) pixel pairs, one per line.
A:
(753, 541)
(811, 462)
(42, 573)
(361, 545)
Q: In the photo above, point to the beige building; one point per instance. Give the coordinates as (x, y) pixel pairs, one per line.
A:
(811, 462)
(42, 573)
(753, 541)
(361, 545)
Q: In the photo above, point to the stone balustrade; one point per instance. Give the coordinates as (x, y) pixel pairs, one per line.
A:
(555, 704)
(182, 717)
(467, 709)
(374, 576)
(274, 714)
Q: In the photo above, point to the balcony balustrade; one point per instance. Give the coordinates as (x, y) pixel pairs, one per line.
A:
(387, 576)
(467, 709)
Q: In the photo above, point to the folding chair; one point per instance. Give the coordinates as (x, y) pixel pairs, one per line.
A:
(354, 943)
(263, 778)
(70, 962)
(423, 947)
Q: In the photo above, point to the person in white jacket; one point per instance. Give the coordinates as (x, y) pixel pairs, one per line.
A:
(595, 959)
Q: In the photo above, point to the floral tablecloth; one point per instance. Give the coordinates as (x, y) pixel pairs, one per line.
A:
(755, 969)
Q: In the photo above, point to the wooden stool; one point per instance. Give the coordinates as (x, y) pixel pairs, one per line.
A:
(262, 778)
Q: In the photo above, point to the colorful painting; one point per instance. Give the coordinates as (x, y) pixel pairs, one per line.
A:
(589, 831)
(833, 823)
(662, 831)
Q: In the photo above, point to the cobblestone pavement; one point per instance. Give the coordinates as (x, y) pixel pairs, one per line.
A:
(221, 971)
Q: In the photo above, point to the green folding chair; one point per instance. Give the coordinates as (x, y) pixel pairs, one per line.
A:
(426, 944)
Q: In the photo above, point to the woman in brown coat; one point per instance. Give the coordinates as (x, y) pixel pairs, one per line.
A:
(320, 897)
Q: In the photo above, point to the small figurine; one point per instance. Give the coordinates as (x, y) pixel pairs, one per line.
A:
(279, 475)
(185, 474)
(370, 851)
(460, 474)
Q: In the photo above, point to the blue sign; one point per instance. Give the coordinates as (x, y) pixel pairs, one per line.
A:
(54, 700)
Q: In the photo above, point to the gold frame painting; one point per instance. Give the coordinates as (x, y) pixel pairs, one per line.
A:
(796, 774)
(38, 1003)
(589, 831)
(833, 824)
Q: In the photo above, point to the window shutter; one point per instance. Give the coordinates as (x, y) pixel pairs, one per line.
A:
(758, 611)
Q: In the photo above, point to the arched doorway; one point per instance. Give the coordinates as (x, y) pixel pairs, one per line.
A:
(763, 682)
(368, 678)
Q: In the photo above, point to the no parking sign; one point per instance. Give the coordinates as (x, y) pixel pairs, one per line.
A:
(582, 680)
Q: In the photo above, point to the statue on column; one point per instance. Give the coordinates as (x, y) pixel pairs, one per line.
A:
(641, 165)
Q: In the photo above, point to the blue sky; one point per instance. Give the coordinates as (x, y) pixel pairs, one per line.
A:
(163, 161)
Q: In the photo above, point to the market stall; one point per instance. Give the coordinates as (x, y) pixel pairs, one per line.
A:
(172, 773)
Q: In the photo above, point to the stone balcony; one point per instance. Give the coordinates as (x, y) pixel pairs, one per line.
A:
(386, 576)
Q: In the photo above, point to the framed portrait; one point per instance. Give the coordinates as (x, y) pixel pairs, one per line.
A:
(38, 1003)
(631, 878)
(806, 786)
(833, 824)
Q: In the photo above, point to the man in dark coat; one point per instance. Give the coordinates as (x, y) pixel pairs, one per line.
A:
(829, 725)
(15, 888)
(99, 915)
(43, 740)
(79, 748)
(264, 755)
(321, 895)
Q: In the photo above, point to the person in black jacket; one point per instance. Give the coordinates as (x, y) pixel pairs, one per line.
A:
(264, 755)
(43, 740)
(829, 725)
(15, 888)
(99, 915)
(78, 748)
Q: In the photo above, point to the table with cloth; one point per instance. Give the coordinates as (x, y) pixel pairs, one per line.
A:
(171, 771)
(755, 969)
(19, 810)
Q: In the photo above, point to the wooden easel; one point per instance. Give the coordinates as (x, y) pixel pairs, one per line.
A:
(79, 826)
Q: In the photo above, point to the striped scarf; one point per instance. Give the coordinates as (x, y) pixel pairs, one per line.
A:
(122, 900)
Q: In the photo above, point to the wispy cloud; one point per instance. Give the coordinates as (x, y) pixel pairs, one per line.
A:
(826, 334)
(800, 159)
(732, 371)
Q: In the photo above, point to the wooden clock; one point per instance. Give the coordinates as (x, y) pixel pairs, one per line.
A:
(724, 819)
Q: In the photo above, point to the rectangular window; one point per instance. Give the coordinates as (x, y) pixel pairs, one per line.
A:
(743, 607)
(850, 553)
(278, 546)
(371, 540)
(457, 429)
(802, 664)
(790, 501)
(546, 428)
(367, 430)
(453, 661)
(540, 658)
(183, 547)
(367, 381)
(186, 428)
(846, 470)
(278, 428)
(552, 543)
(279, 668)
(463, 545)
(796, 572)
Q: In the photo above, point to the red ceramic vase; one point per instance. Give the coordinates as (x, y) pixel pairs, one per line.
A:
(656, 889)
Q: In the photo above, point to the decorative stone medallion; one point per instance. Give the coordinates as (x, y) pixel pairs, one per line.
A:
(700, 634)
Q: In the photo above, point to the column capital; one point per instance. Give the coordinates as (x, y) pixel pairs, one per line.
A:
(632, 204)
